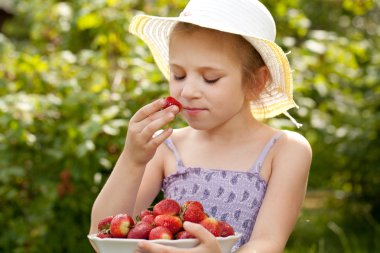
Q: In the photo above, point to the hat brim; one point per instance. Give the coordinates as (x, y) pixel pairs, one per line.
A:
(277, 98)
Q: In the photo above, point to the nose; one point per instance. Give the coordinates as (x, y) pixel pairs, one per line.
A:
(191, 88)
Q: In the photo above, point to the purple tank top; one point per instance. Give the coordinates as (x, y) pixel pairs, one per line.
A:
(231, 196)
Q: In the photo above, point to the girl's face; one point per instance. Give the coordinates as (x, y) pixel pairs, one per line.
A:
(206, 77)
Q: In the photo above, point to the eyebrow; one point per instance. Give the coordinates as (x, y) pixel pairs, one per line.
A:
(203, 68)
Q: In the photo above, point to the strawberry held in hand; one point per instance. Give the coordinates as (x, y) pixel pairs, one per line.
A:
(172, 101)
(120, 225)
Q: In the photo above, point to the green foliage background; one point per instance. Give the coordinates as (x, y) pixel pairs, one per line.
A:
(71, 77)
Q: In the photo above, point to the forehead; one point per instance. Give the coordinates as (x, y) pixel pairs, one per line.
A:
(185, 38)
(187, 30)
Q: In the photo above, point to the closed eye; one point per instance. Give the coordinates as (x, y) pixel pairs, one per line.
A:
(211, 80)
(178, 78)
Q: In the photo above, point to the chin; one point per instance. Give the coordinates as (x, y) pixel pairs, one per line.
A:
(201, 125)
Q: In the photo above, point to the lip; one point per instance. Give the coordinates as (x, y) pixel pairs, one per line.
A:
(193, 111)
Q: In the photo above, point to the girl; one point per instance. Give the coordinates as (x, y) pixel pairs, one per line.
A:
(225, 69)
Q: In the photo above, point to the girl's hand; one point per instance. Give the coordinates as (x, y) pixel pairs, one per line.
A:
(207, 243)
(140, 145)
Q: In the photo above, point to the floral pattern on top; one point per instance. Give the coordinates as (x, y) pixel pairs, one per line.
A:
(232, 196)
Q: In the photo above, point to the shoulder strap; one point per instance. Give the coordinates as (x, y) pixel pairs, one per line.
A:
(260, 161)
(169, 143)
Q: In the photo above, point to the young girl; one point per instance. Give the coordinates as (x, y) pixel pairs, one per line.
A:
(224, 67)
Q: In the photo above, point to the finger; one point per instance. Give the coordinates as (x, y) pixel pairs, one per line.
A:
(207, 241)
(198, 231)
(138, 127)
(149, 247)
(161, 137)
(161, 113)
(148, 110)
(150, 129)
(158, 139)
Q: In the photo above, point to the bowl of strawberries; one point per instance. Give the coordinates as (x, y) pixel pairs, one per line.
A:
(163, 224)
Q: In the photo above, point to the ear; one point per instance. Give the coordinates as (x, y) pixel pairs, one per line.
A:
(260, 78)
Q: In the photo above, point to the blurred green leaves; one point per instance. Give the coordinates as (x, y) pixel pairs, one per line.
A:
(71, 76)
(70, 79)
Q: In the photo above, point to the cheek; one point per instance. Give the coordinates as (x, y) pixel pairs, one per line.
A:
(229, 99)
(174, 89)
(234, 91)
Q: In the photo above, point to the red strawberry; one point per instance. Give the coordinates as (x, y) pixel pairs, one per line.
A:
(140, 231)
(160, 233)
(104, 234)
(143, 213)
(184, 235)
(148, 218)
(193, 213)
(166, 206)
(212, 225)
(226, 229)
(120, 225)
(193, 202)
(104, 224)
(172, 101)
(173, 223)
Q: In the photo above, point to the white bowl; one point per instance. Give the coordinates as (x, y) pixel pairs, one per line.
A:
(117, 245)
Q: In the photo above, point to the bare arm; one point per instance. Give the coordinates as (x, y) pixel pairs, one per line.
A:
(283, 200)
(121, 189)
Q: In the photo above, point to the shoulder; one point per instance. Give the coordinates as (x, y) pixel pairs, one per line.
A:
(294, 150)
(166, 152)
(180, 134)
(291, 138)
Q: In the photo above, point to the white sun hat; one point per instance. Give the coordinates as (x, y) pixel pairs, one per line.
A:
(248, 18)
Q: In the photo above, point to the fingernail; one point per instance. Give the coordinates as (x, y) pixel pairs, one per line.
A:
(175, 109)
